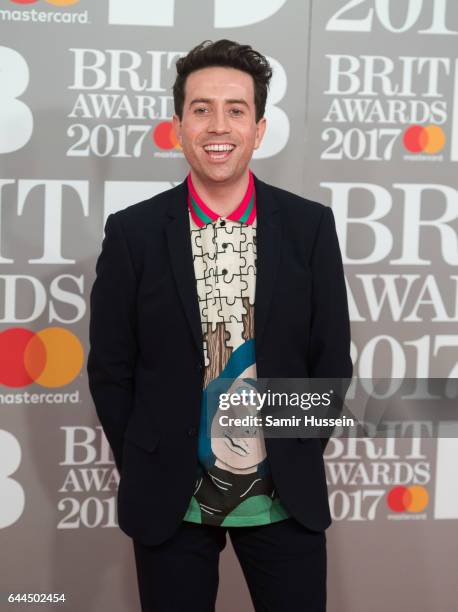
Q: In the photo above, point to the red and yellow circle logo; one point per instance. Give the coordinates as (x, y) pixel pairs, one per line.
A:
(53, 2)
(419, 139)
(408, 499)
(164, 136)
(52, 357)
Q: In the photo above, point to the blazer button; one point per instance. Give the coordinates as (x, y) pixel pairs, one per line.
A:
(192, 431)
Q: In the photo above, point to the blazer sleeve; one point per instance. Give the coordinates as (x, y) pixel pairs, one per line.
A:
(329, 347)
(113, 348)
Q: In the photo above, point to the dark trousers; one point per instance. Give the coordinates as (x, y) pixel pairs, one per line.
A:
(284, 565)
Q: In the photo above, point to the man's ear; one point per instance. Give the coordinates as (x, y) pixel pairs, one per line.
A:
(176, 122)
(260, 131)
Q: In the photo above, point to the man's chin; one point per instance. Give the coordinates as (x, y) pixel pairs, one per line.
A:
(222, 175)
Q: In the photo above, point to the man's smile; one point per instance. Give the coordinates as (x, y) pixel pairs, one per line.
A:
(218, 151)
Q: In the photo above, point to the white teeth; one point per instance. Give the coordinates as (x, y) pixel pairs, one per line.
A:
(219, 147)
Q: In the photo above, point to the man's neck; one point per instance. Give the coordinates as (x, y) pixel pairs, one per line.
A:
(222, 198)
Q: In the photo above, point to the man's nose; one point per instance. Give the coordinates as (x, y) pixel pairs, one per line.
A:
(219, 123)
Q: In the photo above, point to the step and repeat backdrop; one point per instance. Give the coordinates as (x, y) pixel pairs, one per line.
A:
(362, 116)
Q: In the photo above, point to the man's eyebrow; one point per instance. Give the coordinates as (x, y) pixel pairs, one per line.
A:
(237, 101)
(200, 101)
(210, 100)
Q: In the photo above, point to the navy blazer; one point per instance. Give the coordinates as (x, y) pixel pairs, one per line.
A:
(146, 362)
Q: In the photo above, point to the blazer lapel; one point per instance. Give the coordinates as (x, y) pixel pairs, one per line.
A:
(180, 251)
(268, 247)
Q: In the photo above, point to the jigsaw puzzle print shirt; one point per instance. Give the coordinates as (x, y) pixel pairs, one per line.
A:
(233, 485)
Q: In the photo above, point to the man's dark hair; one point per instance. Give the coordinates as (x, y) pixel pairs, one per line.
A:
(228, 54)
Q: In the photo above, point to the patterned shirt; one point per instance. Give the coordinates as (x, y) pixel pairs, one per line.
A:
(234, 487)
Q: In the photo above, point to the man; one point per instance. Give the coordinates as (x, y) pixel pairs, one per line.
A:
(222, 277)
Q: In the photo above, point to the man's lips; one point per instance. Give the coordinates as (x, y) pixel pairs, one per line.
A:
(219, 152)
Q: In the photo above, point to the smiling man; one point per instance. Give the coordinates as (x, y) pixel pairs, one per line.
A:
(221, 278)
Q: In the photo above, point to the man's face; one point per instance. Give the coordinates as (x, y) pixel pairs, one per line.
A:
(219, 113)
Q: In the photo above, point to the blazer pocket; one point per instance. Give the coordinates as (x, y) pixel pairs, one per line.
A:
(146, 439)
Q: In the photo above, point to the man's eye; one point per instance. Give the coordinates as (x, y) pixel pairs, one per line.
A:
(237, 111)
(200, 111)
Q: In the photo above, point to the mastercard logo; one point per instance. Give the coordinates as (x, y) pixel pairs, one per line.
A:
(419, 139)
(53, 2)
(164, 136)
(52, 357)
(408, 499)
